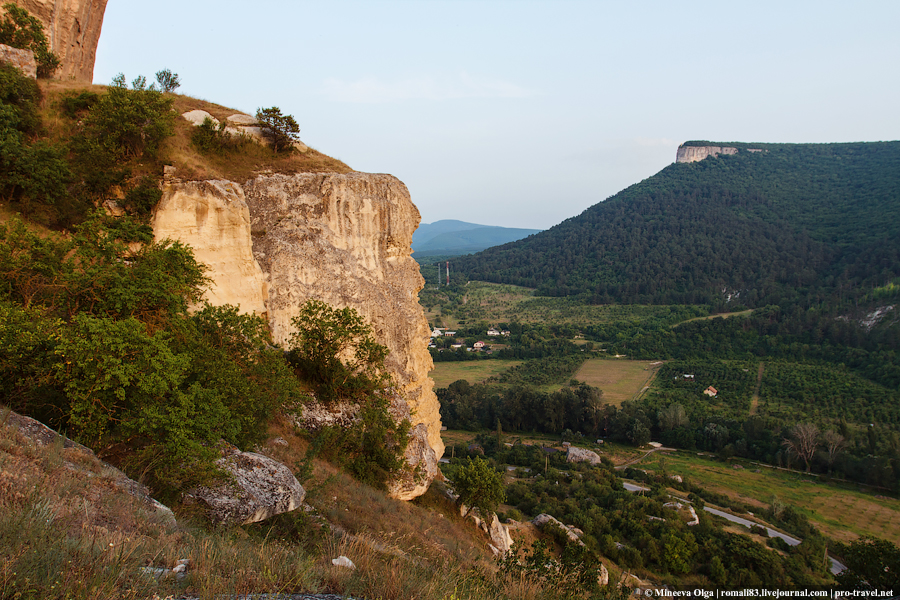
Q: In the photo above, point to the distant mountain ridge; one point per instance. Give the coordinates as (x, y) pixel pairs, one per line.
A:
(786, 221)
(450, 237)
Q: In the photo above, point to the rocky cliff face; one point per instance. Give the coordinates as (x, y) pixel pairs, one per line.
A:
(687, 154)
(342, 239)
(73, 29)
(212, 218)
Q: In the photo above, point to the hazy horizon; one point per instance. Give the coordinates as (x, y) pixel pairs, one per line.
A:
(522, 114)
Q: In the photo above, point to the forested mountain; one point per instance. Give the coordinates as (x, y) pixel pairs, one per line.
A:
(790, 222)
(452, 238)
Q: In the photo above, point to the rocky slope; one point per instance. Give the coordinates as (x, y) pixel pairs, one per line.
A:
(340, 238)
(73, 30)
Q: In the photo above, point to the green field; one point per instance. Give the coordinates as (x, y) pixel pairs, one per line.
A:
(840, 513)
(620, 380)
(474, 371)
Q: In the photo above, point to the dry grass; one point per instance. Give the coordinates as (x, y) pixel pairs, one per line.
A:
(240, 166)
(474, 371)
(840, 513)
(620, 380)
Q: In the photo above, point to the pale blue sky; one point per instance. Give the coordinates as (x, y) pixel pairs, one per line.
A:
(519, 113)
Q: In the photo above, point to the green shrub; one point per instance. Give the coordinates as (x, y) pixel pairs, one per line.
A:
(211, 139)
(337, 352)
(131, 123)
(20, 30)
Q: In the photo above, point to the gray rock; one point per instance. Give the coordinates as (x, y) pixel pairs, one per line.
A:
(21, 59)
(196, 117)
(260, 488)
(242, 120)
(41, 435)
(576, 454)
(543, 520)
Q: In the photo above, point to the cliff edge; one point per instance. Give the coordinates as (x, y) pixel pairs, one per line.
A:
(73, 30)
(340, 238)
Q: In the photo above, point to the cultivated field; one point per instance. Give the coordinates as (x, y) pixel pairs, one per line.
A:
(474, 371)
(620, 380)
(840, 513)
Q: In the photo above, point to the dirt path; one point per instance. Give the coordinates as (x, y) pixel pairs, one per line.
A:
(754, 401)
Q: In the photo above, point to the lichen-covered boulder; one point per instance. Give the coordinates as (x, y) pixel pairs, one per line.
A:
(575, 454)
(260, 488)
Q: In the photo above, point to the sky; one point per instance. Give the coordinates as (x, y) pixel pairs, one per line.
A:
(524, 113)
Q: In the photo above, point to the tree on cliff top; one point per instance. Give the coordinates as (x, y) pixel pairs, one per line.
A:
(20, 30)
(280, 129)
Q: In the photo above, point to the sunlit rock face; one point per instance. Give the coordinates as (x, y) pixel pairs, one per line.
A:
(345, 240)
(342, 239)
(687, 154)
(213, 219)
(73, 29)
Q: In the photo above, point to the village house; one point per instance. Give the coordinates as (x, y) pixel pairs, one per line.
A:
(493, 332)
(478, 345)
(711, 391)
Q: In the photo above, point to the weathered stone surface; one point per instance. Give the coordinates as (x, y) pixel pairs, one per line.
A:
(261, 488)
(241, 120)
(21, 59)
(687, 154)
(41, 435)
(196, 117)
(212, 217)
(73, 29)
(345, 240)
(501, 540)
(543, 520)
(575, 454)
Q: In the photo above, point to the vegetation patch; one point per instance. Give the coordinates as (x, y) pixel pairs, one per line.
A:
(620, 380)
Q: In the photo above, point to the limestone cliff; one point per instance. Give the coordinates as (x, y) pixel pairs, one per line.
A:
(212, 218)
(687, 154)
(342, 239)
(73, 30)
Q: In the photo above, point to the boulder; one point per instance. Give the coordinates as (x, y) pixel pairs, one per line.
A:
(260, 488)
(576, 454)
(196, 117)
(21, 59)
(501, 540)
(543, 520)
(241, 120)
(41, 435)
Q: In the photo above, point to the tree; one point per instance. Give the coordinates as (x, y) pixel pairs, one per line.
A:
(803, 441)
(281, 130)
(479, 486)
(834, 443)
(20, 30)
(131, 123)
(168, 81)
(337, 351)
(872, 564)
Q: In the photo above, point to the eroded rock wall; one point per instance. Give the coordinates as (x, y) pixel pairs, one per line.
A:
(345, 240)
(73, 29)
(342, 239)
(212, 218)
(687, 154)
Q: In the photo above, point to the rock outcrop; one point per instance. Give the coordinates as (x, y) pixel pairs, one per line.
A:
(261, 488)
(212, 218)
(688, 154)
(82, 462)
(575, 454)
(21, 59)
(345, 240)
(341, 239)
(543, 520)
(73, 29)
